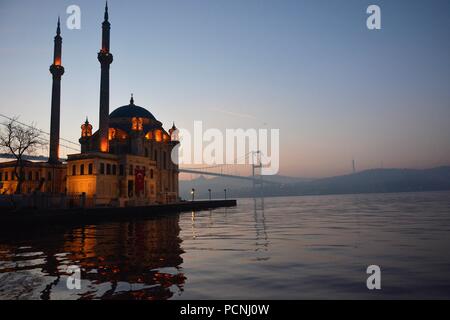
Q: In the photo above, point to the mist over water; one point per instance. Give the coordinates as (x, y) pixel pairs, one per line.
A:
(276, 248)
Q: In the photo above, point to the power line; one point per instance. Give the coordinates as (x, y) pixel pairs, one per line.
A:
(46, 141)
(40, 130)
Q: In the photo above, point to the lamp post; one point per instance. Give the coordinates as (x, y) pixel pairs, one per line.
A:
(193, 193)
(209, 190)
(225, 191)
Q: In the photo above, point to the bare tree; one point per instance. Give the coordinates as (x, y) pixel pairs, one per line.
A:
(19, 140)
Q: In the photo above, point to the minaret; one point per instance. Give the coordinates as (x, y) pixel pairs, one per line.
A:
(57, 70)
(105, 58)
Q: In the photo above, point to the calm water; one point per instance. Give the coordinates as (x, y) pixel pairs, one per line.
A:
(284, 248)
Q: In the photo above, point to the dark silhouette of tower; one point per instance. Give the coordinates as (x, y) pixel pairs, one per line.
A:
(354, 165)
(57, 70)
(105, 58)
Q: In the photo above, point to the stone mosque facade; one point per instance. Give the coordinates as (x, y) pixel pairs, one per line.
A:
(126, 162)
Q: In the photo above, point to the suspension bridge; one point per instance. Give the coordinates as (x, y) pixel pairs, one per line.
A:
(253, 159)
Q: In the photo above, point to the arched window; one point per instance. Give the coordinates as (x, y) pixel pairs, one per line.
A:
(86, 129)
(111, 133)
(149, 135)
(137, 124)
(158, 135)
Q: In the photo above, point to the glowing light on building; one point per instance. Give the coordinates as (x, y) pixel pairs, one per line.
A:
(86, 129)
(137, 124)
(104, 145)
(158, 135)
(111, 133)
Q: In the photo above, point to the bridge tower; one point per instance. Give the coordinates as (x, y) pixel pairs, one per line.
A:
(256, 174)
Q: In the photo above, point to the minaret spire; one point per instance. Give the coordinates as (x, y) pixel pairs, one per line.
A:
(106, 11)
(105, 58)
(58, 28)
(106, 26)
(57, 70)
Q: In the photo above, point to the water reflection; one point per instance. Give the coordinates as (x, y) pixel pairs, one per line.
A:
(131, 260)
(262, 240)
(282, 248)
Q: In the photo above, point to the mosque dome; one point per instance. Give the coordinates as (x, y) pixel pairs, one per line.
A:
(130, 111)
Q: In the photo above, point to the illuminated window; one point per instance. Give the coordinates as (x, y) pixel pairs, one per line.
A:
(149, 135)
(86, 129)
(111, 133)
(158, 135)
(137, 124)
(104, 145)
(166, 137)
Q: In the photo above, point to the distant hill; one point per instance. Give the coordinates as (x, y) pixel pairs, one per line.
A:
(382, 180)
(369, 181)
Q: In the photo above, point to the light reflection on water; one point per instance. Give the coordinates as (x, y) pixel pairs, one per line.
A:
(276, 248)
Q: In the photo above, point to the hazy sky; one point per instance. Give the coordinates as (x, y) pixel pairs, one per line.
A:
(310, 68)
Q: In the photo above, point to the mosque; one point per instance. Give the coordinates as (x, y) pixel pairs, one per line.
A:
(126, 162)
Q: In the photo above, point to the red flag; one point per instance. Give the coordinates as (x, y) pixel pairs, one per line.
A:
(139, 175)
